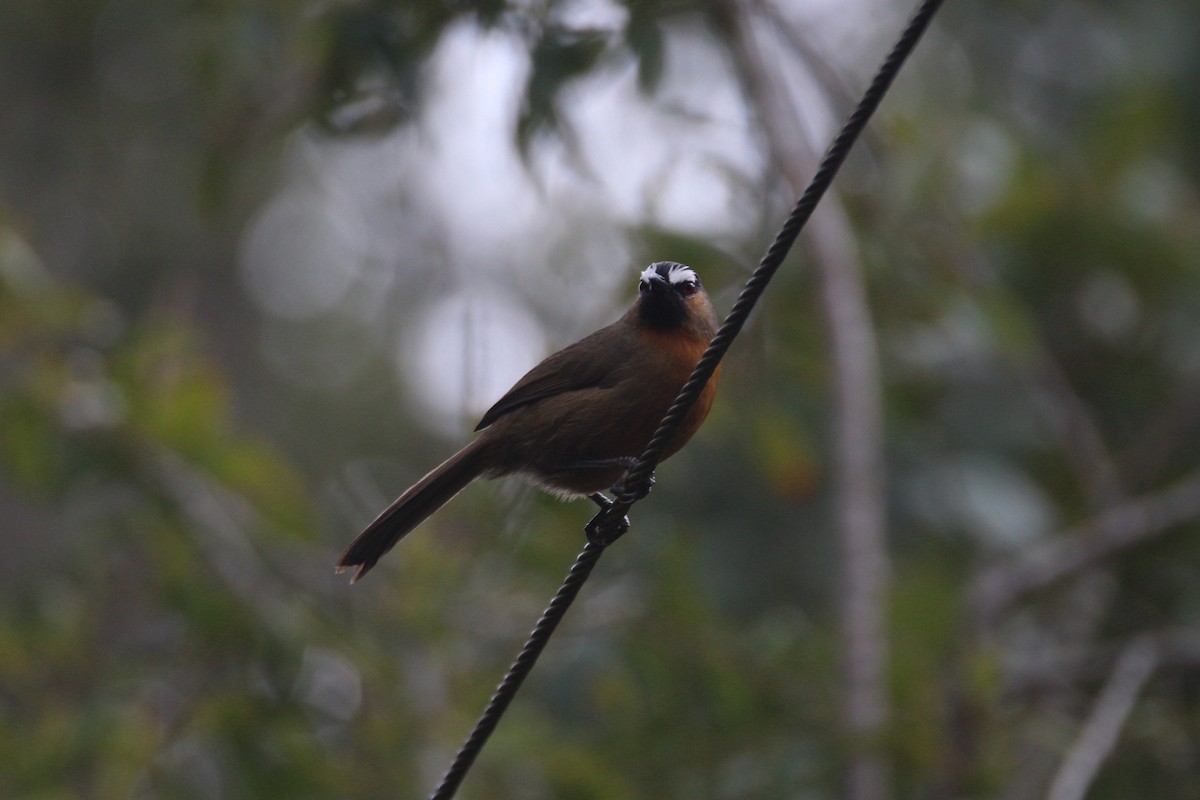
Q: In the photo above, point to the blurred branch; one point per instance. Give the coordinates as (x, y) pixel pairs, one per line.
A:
(1068, 418)
(1099, 735)
(1072, 421)
(858, 434)
(222, 520)
(1074, 621)
(1117, 529)
(815, 62)
(1078, 618)
(1175, 647)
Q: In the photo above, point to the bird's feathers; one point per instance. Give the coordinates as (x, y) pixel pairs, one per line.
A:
(564, 371)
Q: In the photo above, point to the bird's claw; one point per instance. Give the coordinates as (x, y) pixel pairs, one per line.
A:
(625, 496)
(593, 529)
(597, 537)
(630, 496)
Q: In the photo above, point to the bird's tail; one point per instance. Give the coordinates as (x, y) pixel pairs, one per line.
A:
(411, 508)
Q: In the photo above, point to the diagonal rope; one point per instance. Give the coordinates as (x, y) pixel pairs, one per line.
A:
(637, 480)
(519, 670)
(606, 524)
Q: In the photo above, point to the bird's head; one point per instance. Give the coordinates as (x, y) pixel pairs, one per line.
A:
(670, 297)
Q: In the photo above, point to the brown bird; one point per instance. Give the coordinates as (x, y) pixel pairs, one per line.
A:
(577, 421)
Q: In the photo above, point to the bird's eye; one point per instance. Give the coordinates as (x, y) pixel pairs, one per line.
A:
(643, 286)
(688, 288)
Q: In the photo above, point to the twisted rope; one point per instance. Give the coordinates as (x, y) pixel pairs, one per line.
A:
(637, 480)
(519, 670)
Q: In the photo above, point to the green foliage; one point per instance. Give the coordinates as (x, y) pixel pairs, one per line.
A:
(172, 496)
(102, 654)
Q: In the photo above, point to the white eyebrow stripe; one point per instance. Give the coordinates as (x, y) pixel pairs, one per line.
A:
(681, 274)
(648, 274)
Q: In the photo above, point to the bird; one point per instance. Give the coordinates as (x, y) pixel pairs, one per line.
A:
(576, 422)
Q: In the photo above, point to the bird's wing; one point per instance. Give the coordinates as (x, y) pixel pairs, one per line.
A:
(590, 362)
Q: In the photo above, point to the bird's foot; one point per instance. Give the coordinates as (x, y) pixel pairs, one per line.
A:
(632, 495)
(593, 529)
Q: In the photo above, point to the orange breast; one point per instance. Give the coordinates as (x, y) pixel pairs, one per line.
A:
(677, 357)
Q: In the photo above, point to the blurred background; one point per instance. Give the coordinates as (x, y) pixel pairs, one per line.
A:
(263, 263)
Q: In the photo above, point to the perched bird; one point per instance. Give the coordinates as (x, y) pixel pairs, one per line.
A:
(577, 421)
